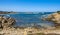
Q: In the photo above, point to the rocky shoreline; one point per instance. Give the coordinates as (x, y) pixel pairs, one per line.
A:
(28, 31)
(7, 29)
(55, 18)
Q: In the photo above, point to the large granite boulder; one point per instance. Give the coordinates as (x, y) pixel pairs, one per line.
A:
(55, 18)
(6, 22)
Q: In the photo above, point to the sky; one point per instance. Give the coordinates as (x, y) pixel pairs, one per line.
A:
(30, 5)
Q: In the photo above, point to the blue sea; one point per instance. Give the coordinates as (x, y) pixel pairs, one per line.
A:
(25, 19)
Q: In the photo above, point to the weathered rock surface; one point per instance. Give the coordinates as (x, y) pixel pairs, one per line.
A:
(55, 17)
(6, 22)
(27, 31)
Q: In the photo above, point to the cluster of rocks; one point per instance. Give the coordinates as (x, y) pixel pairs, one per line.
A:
(55, 18)
(6, 22)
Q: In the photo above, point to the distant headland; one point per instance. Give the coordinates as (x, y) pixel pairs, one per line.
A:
(6, 12)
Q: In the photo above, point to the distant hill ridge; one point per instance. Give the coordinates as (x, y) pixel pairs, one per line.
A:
(6, 12)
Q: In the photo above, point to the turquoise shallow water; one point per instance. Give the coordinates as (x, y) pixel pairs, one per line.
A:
(23, 19)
